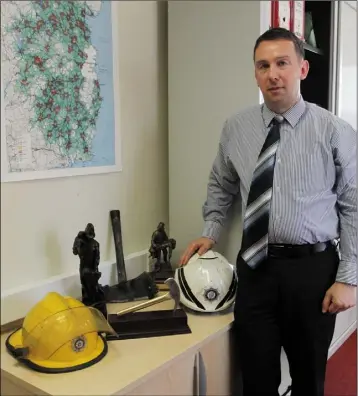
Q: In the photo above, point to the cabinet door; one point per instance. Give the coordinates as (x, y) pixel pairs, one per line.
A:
(176, 379)
(215, 366)
(8, 388)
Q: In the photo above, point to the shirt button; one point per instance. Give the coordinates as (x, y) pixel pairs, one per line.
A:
(278, 188)
(279, 161)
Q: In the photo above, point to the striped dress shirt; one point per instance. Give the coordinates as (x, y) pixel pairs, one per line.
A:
(314, 197)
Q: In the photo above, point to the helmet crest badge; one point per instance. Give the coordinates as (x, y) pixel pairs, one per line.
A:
(79, 344)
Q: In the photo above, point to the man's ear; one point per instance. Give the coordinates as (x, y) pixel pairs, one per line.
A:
(305, 67)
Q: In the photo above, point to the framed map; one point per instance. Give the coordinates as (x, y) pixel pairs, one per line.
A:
(59, 89)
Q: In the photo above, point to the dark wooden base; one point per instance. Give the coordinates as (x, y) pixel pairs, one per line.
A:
(149, 324)
(166, 271)
(115, 294)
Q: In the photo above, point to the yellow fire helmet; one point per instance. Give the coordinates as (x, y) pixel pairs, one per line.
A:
(60, 334)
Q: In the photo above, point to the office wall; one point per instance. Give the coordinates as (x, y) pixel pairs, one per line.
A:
(211, 76)
(39, 219)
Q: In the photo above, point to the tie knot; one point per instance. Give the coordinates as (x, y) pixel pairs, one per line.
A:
(279, 119)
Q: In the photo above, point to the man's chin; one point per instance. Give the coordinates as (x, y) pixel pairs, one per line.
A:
(276, 95)
(273, 99)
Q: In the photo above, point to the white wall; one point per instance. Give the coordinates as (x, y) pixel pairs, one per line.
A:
(39, 219)
(211, 76)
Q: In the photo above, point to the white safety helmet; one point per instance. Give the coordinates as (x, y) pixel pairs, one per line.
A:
(207, 283)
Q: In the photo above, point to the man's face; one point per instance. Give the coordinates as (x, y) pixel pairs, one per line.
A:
(278, 72)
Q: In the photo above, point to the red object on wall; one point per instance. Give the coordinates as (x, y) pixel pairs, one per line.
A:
(274, 14)
(281, 14)
(290, 15)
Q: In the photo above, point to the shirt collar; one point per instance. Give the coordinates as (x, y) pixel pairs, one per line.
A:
(292, 115)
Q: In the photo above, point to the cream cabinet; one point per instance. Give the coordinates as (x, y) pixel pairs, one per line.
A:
(178, 379)
(9, 388)
(215, 366)
(205, 372)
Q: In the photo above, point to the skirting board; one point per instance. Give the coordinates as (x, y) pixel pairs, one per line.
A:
(16, 302)
(341, 340)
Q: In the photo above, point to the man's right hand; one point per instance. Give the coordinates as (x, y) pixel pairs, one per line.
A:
(200, 246)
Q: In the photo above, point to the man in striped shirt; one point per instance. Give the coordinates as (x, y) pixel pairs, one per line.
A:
(294, 166)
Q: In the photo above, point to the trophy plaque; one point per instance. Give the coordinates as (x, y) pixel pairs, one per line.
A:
(129, 323)
(147, 324)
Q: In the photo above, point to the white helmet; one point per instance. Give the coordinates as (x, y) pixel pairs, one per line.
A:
(207, 283)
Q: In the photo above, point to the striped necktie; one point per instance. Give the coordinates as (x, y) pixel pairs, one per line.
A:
(256, 220)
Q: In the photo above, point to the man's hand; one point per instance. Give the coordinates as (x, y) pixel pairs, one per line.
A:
(339, 297)
(201, 246)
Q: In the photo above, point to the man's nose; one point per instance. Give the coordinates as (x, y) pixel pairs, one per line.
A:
(273, 73)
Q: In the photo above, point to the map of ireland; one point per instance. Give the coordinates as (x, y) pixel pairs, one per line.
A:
(58, 96)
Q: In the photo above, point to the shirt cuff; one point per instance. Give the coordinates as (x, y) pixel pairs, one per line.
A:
(212, 230)
(347, 273)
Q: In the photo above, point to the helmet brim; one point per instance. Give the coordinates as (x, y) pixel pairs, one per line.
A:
(14, 343)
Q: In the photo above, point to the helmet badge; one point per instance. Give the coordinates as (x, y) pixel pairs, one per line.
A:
(79, 344)
(211, 294)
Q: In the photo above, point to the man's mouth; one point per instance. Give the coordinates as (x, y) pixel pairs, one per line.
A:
(274, 89)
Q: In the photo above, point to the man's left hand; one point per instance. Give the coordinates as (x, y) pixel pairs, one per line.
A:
(339, 297)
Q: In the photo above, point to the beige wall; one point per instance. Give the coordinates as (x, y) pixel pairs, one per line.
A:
(39, 219)
(211, 76)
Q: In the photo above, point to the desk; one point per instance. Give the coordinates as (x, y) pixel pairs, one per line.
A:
(172, 365)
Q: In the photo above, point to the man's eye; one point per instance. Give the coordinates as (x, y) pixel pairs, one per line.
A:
(282, 63)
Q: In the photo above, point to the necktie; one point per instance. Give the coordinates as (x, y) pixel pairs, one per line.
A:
(256, 219)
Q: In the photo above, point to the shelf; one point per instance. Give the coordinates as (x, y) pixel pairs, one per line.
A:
(312, 49)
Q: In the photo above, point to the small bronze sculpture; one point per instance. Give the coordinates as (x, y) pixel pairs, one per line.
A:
(160, 250)
(87, 248)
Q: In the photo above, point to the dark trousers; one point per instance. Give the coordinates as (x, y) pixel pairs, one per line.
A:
(279, 305)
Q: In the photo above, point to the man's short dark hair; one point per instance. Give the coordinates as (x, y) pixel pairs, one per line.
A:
(282, 34)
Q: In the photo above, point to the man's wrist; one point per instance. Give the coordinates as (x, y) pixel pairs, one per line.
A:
(347, 284)
(347, 273)
(212, 230)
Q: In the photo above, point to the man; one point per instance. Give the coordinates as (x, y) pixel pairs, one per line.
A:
(294, 165)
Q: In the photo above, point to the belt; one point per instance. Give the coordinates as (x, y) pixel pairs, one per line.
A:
(296, 251)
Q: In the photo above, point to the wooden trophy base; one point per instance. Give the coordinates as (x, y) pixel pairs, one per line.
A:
(148, 324)
(166, 271)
